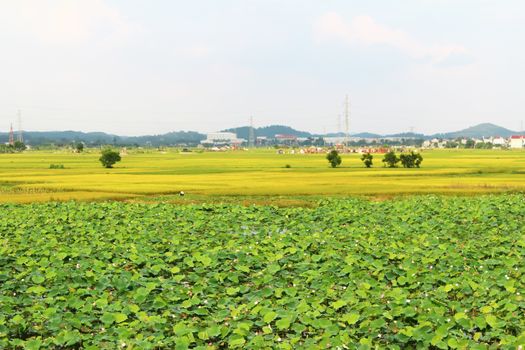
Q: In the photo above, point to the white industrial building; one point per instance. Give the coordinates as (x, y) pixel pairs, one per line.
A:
(222, 138)
(499, 141)
(517, 141)
(340, 140)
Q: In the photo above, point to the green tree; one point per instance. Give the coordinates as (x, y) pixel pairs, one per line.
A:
(391, 159)
(470, 144)
(6, 149)
(318, 142)
(483, 145)
(411, 160)
(109, 158)
(406, 160)
(334, 158)
(367, 159)
(418, 159)
(79, 147)
(19, 146)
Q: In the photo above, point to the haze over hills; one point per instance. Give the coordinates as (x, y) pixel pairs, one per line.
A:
(193, 137)
(101, 138)
(480, 130)
(268, 131)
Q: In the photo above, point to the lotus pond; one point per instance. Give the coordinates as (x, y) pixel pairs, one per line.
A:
(419, 272)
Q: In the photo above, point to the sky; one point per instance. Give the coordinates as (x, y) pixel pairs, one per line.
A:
(135, 67)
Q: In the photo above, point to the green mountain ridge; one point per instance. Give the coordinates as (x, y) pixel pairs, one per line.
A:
(192, 138)
(479, 131)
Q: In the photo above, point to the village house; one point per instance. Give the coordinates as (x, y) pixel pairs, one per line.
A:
(499, 141)
(517, 141)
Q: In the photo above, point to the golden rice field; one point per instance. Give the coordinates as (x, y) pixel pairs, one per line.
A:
(255, 174)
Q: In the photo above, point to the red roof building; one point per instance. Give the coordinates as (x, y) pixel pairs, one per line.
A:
(517, 141)
(285, 137)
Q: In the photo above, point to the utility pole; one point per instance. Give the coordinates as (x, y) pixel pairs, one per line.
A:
(347, 120)
(11, 136)
(251, 135)
(20, 136)
(521, 134)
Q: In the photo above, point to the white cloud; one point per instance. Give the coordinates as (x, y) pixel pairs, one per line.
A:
(65, 22)
(364, 30)
(196, 51)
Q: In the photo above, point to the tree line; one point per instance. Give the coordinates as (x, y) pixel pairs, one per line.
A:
(16, 147)
(390, 160)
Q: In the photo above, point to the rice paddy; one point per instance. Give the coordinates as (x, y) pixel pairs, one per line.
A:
(252, 176)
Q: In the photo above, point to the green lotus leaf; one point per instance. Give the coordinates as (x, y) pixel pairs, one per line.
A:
(269, 316)
(33, 344)
(283, 323)
(351, 318)
(38, 279)
(236, 342)
(492, 320)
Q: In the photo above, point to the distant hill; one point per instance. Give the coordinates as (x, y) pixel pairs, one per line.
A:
(171, 138)
(367, 135)
(478, 131)
(193, 138)
(272, 130)
(243, 132)
(407, 135)
(100, 138)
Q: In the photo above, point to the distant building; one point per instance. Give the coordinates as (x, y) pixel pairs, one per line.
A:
(517, 141)
(334, 140)
(434, 143)
(284, 139)
(340, 140)
(261, 140)
(222, 139)
(499, 141)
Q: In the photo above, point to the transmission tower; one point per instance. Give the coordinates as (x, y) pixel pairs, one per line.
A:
(347, 120)
(251, 135)
(11, 136)
(20, 135)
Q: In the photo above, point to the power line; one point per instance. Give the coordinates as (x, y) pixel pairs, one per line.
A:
(347, 120)
(251, 135)
(20, 135)
(11, 136)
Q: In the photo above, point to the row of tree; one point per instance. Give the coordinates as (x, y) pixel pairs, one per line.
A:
(408, 160)
(471, 144)
(390, 160)
(16, 147)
